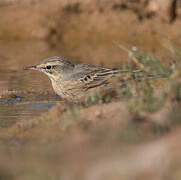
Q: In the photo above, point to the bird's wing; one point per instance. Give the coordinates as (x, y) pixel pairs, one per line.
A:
(90, 76)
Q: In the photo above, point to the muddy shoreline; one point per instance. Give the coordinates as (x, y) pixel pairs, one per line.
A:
(135, 135)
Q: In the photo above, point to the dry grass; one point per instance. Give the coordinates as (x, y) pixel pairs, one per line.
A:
(133, 135)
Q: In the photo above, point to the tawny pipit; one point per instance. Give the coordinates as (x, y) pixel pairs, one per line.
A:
(73, 81)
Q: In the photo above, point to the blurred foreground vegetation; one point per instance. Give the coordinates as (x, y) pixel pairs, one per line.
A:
(132, 132)
(133, 135)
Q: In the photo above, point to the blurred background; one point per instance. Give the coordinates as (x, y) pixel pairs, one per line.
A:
(135, 137)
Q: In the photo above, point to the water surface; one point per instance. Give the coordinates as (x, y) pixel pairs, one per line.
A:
(23, 94)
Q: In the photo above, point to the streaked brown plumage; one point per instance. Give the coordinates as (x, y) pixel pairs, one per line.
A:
(73, 82)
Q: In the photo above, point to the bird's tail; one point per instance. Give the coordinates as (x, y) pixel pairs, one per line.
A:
(143, 75)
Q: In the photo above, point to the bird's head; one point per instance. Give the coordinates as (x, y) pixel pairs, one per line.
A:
(54, 67)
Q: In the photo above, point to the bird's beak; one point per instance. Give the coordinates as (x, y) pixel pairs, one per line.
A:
(31, 68)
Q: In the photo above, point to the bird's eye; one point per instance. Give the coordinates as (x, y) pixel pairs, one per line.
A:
(48, 67)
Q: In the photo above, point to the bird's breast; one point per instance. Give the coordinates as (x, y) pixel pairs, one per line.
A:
(58, 87)
(67, 91)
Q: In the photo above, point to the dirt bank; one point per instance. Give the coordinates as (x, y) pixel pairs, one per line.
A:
(135, 135)
(89, 31)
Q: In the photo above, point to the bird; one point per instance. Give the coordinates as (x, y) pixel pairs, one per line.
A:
(72, 82)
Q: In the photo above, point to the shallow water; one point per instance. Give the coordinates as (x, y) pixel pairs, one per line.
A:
(23, 94)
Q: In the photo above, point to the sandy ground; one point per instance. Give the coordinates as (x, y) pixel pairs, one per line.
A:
(127, 138)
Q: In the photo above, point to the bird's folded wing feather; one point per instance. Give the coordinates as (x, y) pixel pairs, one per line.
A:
(90, 76)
